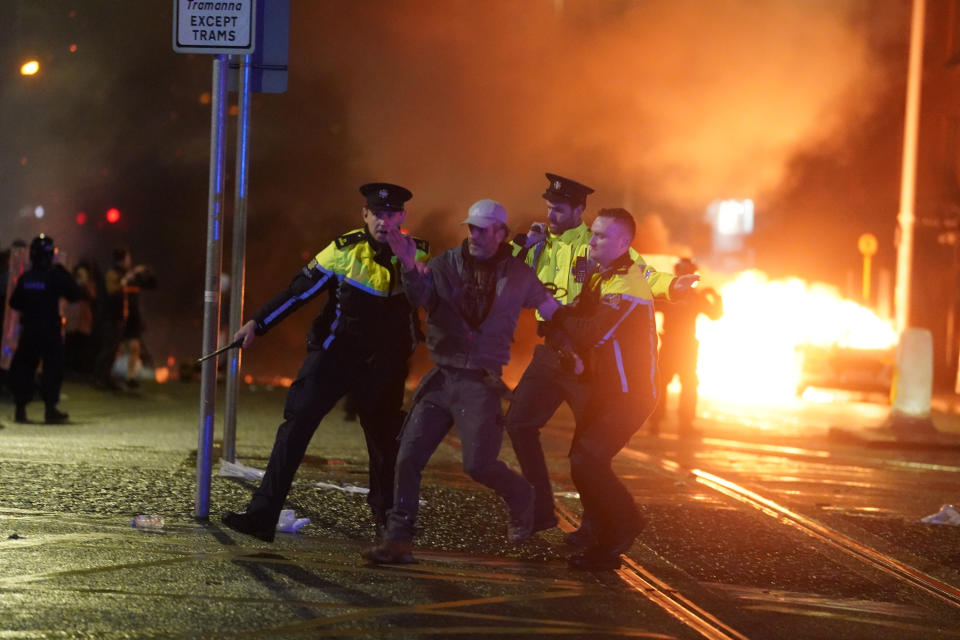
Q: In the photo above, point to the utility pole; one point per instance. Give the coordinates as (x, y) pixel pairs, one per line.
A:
(907, 217)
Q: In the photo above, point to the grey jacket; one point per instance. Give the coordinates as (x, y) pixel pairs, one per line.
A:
(450, 339)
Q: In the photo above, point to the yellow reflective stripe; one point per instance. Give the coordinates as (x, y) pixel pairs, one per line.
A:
(355, 264)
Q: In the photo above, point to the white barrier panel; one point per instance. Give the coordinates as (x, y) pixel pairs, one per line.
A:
(913, 380)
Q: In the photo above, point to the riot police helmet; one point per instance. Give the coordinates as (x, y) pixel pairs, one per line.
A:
(42, 250)
(685, 266)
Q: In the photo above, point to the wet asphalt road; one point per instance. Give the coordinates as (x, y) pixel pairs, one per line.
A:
(72, 567)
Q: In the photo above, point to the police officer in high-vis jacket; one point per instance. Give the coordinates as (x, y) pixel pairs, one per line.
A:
(360, 344)
(560, 254)
(37, 298)
(608, 337)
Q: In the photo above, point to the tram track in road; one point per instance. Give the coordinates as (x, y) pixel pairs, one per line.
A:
(904, 594)
(642, 581)
(712, 608)
(889, 565)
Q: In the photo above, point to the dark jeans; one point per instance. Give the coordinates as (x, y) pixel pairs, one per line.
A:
(470, 399)
(541, 390)
(323, 379)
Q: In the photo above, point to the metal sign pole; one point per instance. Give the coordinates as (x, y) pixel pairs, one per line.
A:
(211, 290)
(238, 271)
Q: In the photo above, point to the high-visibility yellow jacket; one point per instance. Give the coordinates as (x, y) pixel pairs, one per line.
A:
(611, 327)
(562, 261)
(367, 312)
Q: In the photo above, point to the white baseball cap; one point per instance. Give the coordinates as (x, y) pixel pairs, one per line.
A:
(484, 213)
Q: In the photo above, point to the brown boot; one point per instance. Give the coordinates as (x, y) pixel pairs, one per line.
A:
(390, 552)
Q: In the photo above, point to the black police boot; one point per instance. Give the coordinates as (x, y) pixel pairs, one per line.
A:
(605, 555)
(53, 416)
(20, 415)
(595, 558)
(252, 524)
(390, 552)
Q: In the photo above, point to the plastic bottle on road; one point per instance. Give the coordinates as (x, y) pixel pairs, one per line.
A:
(948, 514)
(147, 522)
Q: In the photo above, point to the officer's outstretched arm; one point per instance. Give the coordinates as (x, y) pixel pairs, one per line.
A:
(307, 284)
(682, 284)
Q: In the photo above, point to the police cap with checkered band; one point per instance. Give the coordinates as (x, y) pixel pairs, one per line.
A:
(385, 196)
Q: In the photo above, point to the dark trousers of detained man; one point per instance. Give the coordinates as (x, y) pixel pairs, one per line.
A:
(470, 400)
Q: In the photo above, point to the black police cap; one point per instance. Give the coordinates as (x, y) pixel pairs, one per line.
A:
(563, 189)
(383, 195)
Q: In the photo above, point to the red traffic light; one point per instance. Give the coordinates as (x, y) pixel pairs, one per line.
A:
(113, 214)
(81, 218)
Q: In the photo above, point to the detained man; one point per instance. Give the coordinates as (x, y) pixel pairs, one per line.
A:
(473, 295)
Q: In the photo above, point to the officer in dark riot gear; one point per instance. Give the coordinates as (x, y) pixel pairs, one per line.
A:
(359, 345)
(37, 298)
(679, 349)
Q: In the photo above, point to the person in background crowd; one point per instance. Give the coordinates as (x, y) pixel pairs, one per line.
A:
(4, 290)
(121, 320)
(679, 349)
(81, 320)
(37, 297)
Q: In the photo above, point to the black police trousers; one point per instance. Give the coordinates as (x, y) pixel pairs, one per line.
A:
(543, 387)
(32, 348)
(608, 422)
(324, 378)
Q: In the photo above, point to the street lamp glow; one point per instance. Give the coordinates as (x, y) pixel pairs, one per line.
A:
(30, 68)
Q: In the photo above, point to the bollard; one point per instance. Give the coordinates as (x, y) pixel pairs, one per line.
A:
(912, 387)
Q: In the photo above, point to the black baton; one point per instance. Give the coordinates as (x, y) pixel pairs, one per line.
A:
(233, 345)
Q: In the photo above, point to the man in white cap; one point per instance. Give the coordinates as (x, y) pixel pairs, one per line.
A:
(473, 295)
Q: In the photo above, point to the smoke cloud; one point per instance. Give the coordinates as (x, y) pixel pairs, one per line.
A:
(668, 103)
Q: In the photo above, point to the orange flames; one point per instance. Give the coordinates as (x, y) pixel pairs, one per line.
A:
(750, 354)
